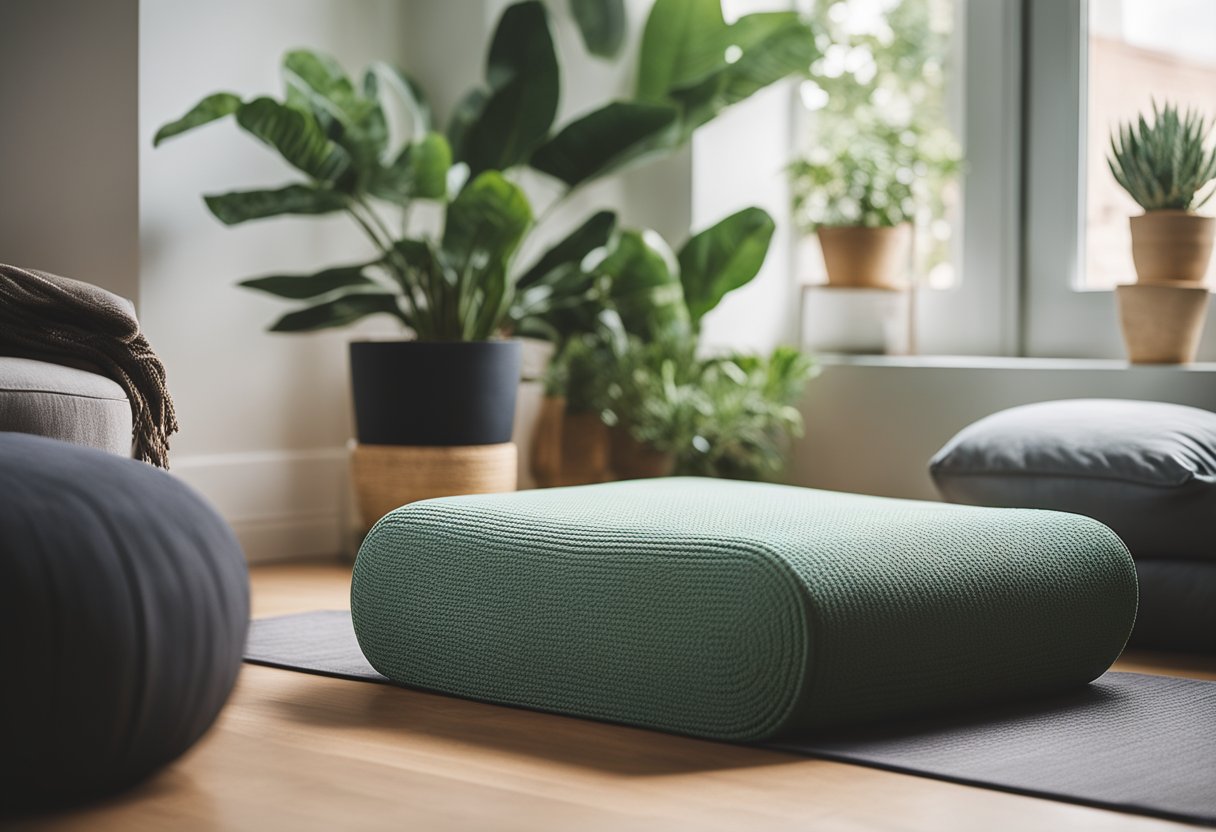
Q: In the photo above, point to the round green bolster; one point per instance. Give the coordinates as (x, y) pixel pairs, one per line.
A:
(734, 610)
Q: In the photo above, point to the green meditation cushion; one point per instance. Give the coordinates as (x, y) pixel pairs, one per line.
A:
(738, 611)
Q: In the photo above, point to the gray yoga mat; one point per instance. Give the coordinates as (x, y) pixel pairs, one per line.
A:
(1128, 741)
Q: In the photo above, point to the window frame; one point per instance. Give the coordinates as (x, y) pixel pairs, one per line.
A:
(1060, 317)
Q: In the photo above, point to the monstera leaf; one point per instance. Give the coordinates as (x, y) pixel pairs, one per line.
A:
(498, 127)
(722, 258)
(602, 24)
(606, 140)
(242, 206)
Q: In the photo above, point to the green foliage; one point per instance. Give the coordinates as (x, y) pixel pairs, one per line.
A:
(602, 25)
(466, 284)
(500, 125)
(1164, 166)
(880, 152)
(723, 258)
(730, 416)
(692, 58)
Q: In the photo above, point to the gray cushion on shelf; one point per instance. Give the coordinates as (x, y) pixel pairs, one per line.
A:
(1146, 469)
(1177, 606)
(64, 403)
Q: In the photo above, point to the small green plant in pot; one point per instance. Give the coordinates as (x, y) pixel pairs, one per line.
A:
(860, 195)
(1168, 168)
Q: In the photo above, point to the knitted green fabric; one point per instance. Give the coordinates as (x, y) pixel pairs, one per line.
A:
(734, 610)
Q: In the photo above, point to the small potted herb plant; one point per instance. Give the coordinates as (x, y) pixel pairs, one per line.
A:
(859, 194)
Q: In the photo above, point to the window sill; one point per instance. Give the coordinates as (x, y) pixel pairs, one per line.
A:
(989, 362)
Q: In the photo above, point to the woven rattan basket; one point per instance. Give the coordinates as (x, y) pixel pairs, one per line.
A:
(389, 476)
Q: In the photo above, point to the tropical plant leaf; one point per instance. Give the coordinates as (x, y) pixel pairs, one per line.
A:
(242, 206)
(645, 284)
(565, 302)
(408, 92)
(502, 129)
(210, 109)
(684, 42)
(485, 222)
(606, 140)
(305, 286)
(592, 234)
(602, 25)
(296, 135)
(340, 311)
(317, 82)
(419, 172)
(465, 114)
(772, 46)
(722, 258)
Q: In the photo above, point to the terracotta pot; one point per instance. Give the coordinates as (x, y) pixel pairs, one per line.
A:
(634, 460)
(388, 476)
(1172, 246)
(1162, 324)
(569, 447)
(871, 258)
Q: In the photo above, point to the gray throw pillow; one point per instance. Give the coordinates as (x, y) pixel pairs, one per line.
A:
(1146, 469)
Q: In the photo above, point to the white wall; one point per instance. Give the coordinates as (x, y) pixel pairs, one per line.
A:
(264, 417)
(68, 159)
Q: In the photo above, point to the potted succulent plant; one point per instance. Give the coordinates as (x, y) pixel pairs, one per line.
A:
(859, 194)
(1168, 168)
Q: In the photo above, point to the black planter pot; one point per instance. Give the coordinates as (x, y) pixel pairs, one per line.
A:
(434, 393)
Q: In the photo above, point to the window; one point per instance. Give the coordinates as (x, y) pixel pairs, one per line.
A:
(1138, 50)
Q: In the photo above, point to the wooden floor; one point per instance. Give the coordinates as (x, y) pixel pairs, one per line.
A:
(299, 752)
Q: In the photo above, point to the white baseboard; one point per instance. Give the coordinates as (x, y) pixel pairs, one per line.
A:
(283, 505)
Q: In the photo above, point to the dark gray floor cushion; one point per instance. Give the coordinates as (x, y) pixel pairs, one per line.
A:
(1146, 469)
(124, 604)
(1177, 606)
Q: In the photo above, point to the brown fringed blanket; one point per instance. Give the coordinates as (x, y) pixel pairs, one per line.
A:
(51, 318)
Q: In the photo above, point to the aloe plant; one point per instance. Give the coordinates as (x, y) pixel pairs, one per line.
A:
(1165, 165)
(467, 284)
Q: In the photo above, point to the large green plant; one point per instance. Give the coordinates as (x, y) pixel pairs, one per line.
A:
(467, 285)
(1165, 166)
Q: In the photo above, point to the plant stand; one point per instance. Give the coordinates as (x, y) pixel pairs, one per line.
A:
(389, 476)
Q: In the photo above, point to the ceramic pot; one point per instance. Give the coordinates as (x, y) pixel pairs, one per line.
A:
(434, 393)
(1162, 324)
(570, 447)
(861, 257)
(1172, 246)
(630, 459)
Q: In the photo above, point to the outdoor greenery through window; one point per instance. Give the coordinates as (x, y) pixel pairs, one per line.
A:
(1138, 51)
(880, 144)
